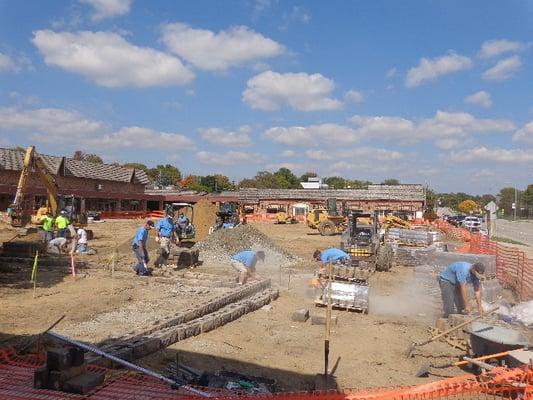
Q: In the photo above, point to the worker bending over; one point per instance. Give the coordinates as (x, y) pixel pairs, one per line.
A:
(244, 262)
(453, 281)
(336, 256)
(165, 234)
(138, 245)
(57, 246)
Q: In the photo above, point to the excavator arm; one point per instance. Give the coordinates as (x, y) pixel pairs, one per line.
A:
(32, 160)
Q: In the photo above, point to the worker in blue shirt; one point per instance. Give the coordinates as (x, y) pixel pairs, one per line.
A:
(165, 234)
(453, 281)
(138, 244)
(336, 256)
(244, 262)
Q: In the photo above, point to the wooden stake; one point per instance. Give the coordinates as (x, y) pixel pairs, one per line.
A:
(73, 265)
(113, 264)
(34, 272)
(328, 323)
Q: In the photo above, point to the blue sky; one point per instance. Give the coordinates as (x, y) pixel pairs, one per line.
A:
(436, 92)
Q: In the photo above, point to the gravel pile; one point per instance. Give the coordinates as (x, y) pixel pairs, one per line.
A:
(222, 244)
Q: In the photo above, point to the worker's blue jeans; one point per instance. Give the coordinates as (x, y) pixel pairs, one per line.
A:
(139, 268)
(451, 298)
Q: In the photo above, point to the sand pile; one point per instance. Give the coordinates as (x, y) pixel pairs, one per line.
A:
(204, 217)
(223, 243)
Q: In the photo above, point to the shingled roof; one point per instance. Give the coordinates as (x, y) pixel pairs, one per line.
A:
(11, 159)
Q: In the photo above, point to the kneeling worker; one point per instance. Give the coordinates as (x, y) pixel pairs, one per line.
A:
(453, 281)
(244, 262)
(336, 256)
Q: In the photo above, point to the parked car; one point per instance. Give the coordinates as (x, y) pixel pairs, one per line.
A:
(472, 223)
(456, 220)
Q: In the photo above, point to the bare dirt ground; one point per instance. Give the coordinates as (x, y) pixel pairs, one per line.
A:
(366, 350)
(520, 231)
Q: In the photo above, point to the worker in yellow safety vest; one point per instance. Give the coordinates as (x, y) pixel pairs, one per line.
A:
(48, 228)
(62, 224)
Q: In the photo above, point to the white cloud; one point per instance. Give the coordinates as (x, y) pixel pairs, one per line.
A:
(354, 96)
(229, 158)
(369, 153)
(219, 136)
(62, 127)
(7, 63)
(135, 136)
(269, 90)
(431, 69)
(319, 154)
(504, 69)
(288, 153)
(447, 143)
(50, 123)
(109, 60)
(480, 98)
(525, 134)
(312, 135)
(218, 51)
(493, 48)
(483, 153)
(104, 9)
(300, 14)
(444, 125)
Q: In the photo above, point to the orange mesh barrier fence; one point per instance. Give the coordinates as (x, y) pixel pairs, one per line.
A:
(16, 382)
(513, 268)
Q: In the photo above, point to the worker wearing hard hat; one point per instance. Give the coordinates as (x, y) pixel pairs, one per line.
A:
(62, 224)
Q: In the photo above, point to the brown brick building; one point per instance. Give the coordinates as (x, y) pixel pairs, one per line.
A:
(101, 187)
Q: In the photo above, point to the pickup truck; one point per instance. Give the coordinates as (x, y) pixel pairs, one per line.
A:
(472, 223)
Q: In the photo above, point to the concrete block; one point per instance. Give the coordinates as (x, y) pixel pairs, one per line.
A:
(83, 384)
(456, 319)
(40, 378)
(57, 379)
(145, 346)
(319, 319)
(325, 382)
(301, 315)
(58, 359)
(77, 356)
(207, 324)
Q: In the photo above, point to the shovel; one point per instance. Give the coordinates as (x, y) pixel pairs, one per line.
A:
(424, 371)
(412, 346)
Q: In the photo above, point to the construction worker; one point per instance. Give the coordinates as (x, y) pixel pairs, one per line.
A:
(336, 256)
(453, 281)
(48, 227)
(62, 224)
(244, 262)
(165, 234)
(183, 223)
(58, 245)
(81, 241)
(138, 245)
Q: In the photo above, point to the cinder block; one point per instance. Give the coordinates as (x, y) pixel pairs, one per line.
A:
(77, 356)
(325, 382)
(301, 315)
(57, 379)
(58, 359)
(319, 319)
(456, 319)
(40, 378)
(83, 384)
(208, 324)
(145, 346)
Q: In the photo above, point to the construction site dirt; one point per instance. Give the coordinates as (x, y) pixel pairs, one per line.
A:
(106, 301)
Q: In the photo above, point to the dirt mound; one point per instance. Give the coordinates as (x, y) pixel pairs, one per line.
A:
(222, 244)
(204, 217)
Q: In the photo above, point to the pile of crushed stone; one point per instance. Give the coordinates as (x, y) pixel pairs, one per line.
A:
(224, 243)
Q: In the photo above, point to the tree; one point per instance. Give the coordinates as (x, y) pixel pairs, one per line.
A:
(135, 166)
(357, 184)
(265, 180)
(81, 156)
(527, 196)
(247, 183)
(506, 198)
(164, 175)
(335, 182)
(285, 179)
(391, 181)
(468, 207)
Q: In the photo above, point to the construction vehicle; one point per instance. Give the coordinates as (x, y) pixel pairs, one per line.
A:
(327, 220)
(54, 203)
(392, 221)
(364, 243)
(227, 217)
(283, 217)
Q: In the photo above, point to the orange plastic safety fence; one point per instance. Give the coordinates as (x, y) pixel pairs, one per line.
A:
(513, 267)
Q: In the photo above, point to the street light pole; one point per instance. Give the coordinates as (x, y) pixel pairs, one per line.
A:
(515, 204)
